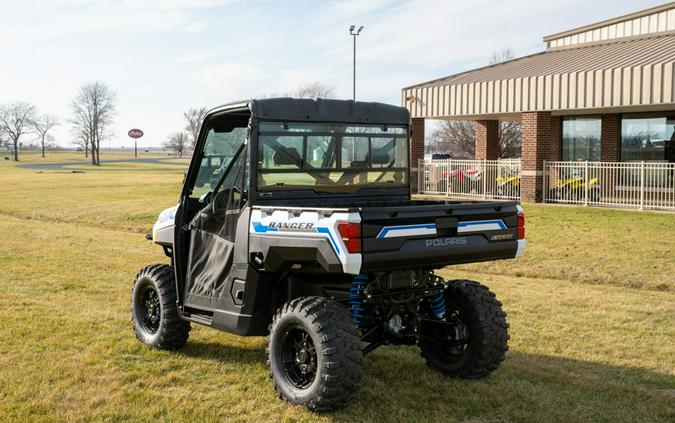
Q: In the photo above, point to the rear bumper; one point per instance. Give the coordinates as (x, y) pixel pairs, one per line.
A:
(439, 252)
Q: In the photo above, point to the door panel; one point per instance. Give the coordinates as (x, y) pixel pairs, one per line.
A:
(212, 230)
(208, 267)
(212, 240)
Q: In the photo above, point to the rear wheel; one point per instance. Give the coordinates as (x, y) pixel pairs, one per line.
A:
(483, 342)
(314, 354)
(154, 311)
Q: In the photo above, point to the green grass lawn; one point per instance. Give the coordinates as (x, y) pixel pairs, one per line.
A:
(591, 308)
(74, 156)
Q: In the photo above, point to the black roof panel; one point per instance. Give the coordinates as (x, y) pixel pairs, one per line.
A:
(325, 110)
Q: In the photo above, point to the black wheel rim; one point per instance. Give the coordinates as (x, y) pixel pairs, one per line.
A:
(298, 357)
(461, 342)
(150, 309)
(450, 340)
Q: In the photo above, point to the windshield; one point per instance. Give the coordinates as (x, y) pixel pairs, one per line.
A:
(219, 149)
(331, 157)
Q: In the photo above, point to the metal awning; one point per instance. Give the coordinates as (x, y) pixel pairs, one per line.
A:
(627, 73)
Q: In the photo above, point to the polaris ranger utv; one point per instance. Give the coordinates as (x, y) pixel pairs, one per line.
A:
(309, 236)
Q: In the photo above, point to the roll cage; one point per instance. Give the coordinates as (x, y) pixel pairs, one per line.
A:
(254, 113)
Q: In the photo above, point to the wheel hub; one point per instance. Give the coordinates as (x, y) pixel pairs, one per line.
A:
(151, 310)
(299, 357)
(302, 357)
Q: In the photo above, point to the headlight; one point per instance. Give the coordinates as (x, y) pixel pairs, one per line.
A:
(166, 215)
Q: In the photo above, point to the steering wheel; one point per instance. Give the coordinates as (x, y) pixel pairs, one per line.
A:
(220, 201)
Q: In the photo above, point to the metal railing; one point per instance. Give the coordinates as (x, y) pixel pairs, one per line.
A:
(498, 179)
(638, 185)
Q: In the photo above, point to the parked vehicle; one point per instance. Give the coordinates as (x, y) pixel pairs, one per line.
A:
(465, 181)
(310, 237)
(574, 188)
(211, 167)
(508, 185)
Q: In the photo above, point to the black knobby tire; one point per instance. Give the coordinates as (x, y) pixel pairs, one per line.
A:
(478, 308)
(337, 363)
(154, 312)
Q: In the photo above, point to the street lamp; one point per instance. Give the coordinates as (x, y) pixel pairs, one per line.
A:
(354, 34)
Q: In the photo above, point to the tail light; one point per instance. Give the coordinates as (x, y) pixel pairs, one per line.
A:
(351, 235)
(521, 225)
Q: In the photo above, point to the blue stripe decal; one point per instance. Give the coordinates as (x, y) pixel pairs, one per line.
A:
(387, 229)
(461, 225)
(259, 227)
(498, 222)
(330, 236)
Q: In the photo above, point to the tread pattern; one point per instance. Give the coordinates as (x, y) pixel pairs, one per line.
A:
(488, 333)
(174, 331)
(341, 366)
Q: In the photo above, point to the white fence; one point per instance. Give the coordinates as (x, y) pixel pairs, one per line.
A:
(639, 185)
(498, 179)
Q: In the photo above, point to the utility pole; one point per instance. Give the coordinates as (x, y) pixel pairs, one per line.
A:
(354, 34)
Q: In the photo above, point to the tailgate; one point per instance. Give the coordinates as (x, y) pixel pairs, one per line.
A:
(436, 235)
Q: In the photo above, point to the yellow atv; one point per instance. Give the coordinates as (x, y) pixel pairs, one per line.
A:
(508, 186)
(573, 188)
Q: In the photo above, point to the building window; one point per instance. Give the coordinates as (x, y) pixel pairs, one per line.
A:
(581, 138)
(648, 137)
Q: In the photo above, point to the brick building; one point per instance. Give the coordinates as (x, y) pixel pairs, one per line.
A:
(602, 92)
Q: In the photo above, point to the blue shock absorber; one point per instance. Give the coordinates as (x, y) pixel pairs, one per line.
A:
(437, 303)
(359, 284)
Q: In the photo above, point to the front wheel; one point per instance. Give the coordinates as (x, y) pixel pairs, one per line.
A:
(315, 355)
(480, 346)
(154, 311)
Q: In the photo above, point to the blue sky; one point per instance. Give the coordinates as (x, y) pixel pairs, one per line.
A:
(164, 56)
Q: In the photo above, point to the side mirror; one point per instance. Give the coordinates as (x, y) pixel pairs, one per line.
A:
(220, 203)
(205, 199)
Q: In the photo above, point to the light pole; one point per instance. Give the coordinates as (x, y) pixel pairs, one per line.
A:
(354, 34)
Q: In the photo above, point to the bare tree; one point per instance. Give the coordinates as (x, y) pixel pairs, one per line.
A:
(176, 142)
(501, 56)
(16, 120)
(457, 138)
(509, 131)
(93, 110)
(193, 121)
(509, 139)
(42, 125)
(81, 135)
(310, 90)
(454, 137)
(313, 90)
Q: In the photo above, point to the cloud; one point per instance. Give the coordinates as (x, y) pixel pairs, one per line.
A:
(140, 48)
(195, 58)
(128, 5)
(360, 6)
(224, 82)
(195, 27)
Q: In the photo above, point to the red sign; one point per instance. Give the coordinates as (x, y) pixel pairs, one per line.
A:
(135, 133)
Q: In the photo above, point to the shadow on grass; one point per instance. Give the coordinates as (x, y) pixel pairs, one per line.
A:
(399, 387)
(223, 352)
